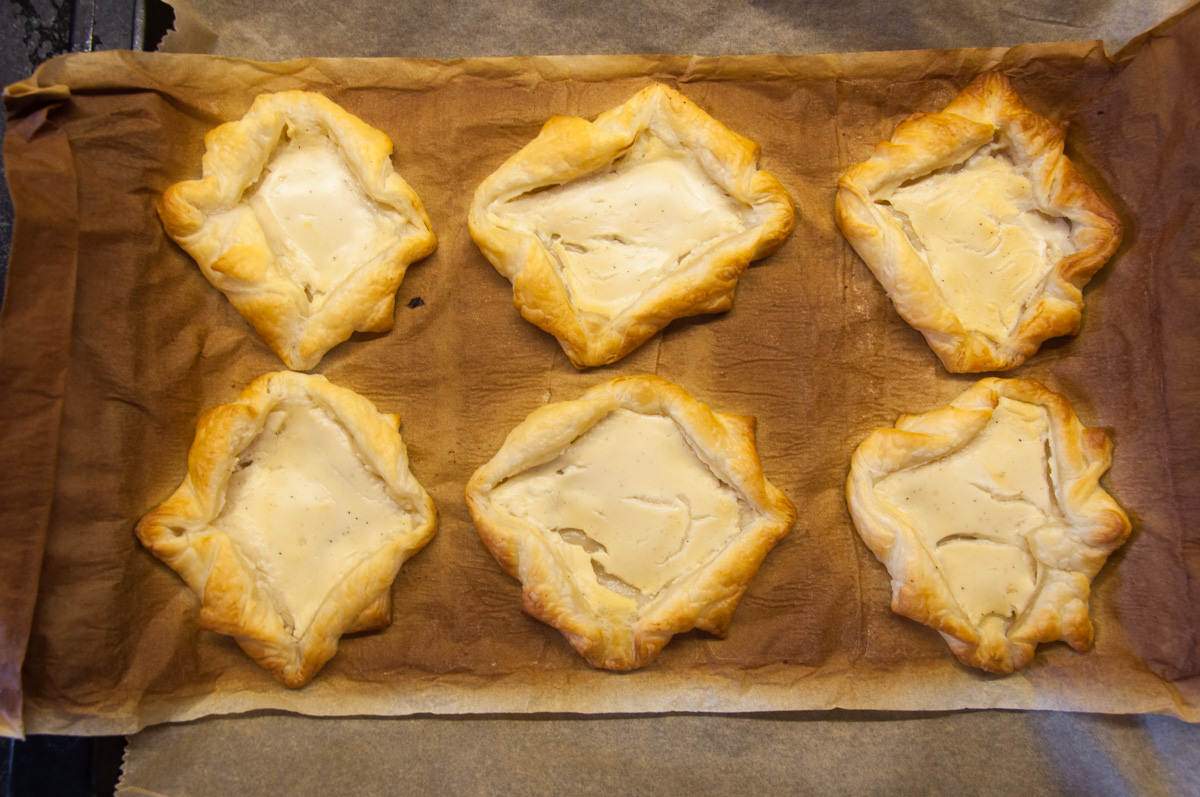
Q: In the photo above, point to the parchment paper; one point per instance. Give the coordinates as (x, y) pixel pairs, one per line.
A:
(455, 28)
(113, 343)
(966, 752)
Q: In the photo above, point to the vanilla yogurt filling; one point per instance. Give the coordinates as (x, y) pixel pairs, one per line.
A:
(304, 509)
(974, 508)
(318, 220)
(628, 503)
(618, 233)
(988, 245)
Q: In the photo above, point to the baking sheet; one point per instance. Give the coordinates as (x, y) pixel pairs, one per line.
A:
(122, 344)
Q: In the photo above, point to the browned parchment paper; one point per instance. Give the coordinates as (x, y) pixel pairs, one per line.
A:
(113, 344)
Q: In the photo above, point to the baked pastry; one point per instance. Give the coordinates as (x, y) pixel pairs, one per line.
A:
(609, 230)
(980, 229)
(629, 515)
(296, 513)
(990, 519)
(301, 221)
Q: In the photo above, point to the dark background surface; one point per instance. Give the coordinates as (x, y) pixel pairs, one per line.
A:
(32, 31)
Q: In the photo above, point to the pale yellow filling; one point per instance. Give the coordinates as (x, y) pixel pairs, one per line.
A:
(304, 509)
(319, 222)
(974, 508)
(987, 244)
(618, 233)
(628, 503)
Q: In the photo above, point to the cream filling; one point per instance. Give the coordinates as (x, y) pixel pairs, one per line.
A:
(303, 509)
(628, 503)
(974, 508)
(316, 216)
(618, 233)
(988, 245)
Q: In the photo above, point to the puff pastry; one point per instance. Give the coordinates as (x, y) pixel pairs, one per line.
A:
(296, 513)
(609, 230)
(980, 229)
(990, 519)
(301, 221)
(629, 515)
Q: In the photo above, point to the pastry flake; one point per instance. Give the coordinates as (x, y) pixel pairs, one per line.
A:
(296, 513)
(980, 229)
(629, 515)
(990, 519)
(301, 221)
(609, 230)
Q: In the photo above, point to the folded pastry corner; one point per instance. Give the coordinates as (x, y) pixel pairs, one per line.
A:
(990, 519)
(979, 227)
(302, 222)
(629, 515)
(296, 513)
(609, 230)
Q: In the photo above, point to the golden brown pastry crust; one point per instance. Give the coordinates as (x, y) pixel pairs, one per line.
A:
(1067, 556)
(569, 148)
(606, 634)
(987, 110)
(182, 531)
(236, 253)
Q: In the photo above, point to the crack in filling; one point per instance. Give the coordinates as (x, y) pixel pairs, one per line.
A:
(975, 508)
(303, 510)
(580, 538)
(618, 585)
(619, 232)
(319, 222)
(628, 504)
(988, 245)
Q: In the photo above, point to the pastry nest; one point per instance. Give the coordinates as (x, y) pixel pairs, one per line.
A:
(1067, 553)
(988, 110)
(610, 632)
(183, 530)
(568, 149)
(210, 221)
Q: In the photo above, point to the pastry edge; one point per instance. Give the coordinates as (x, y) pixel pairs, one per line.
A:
(179, 531)
(1059, 609)
(926, 142)
(244, 270)
(548, 593)
(568, 148)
